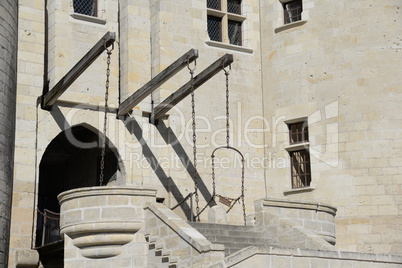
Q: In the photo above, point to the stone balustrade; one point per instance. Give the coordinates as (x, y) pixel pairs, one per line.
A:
(101, 220)
(314, 218)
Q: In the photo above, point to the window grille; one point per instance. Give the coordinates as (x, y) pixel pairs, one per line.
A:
(298, 132)
(225, 21)
(85, 7)
(299, 156)
(215, 28)
(214, 4)
(300, 164)
(234, 6)
(292, 11)
(234, 30)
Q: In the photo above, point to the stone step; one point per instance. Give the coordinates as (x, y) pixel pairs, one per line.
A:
(238, 239)
(162, 259)
(217, 226)
(228, 230)
(238, 234)
(234, 237)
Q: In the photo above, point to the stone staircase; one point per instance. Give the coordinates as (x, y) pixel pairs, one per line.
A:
(234, 237)
(159, 257)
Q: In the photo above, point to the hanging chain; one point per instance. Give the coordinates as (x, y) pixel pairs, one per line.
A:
(242, 191)
(102, 162)
(213, 176)
(194, 139)
(227, 107)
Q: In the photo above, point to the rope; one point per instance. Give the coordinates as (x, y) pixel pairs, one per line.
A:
(103, 152)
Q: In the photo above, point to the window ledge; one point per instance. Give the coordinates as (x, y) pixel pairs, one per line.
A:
(215, 12)
(83, 17)
(290, 25)
(229, 46)
(299, 190)
(297, 146)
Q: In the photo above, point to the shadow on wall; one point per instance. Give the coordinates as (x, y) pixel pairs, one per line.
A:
(170, 138)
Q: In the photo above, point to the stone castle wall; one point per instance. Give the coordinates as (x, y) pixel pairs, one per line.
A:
(339, 68)
(334, 69)
(8, 83)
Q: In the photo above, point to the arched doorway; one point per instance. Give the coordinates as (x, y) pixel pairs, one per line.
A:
(71, 160)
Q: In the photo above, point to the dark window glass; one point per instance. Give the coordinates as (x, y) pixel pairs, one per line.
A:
(215, 28)
(298, 132)
(300, 165)
(292, 11)
(86, 7)
(234, 6)
(214, 4)
(234, 31)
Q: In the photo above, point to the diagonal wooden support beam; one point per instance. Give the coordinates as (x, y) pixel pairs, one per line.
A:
(52, 95)
(157, 81)
(185, 90)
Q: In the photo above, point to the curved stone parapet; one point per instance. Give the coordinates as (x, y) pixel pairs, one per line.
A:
(316, 217)
(101, 220)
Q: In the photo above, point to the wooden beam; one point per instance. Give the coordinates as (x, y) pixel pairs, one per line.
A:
(50, 97)
(157, 81)
(185, 90)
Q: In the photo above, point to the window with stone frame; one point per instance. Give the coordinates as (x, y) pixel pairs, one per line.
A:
(292, 10)
(299, 154)
(85, 7)
(224, 21)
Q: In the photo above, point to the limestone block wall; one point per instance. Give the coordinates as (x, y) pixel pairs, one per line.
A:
(8, 83)
(134, 28)
(70, 37)
(31, 32)
(333, 69)
(342, 74)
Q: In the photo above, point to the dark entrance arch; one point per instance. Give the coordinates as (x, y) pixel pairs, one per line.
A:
(71, 160)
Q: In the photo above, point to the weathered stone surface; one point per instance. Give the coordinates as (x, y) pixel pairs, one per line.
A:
(217, 214)
(8, 87)
(27, 258)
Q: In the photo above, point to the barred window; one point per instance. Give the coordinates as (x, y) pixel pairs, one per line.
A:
(292, 11)
(86, 7)
(298, 132)
(234, 6)
(215, 28)
(225, 21)
(214, 4)
(299, 154)
(300, 165)
(234, 29)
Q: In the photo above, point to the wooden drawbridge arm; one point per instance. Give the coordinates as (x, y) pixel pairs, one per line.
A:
(185, 90)
(49, 98)
(157, 81)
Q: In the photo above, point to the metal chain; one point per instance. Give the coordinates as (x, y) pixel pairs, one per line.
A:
(213, 176)
(242, 191)
(102, 162)
(194, 140)
(227, 107)
(47, 216)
